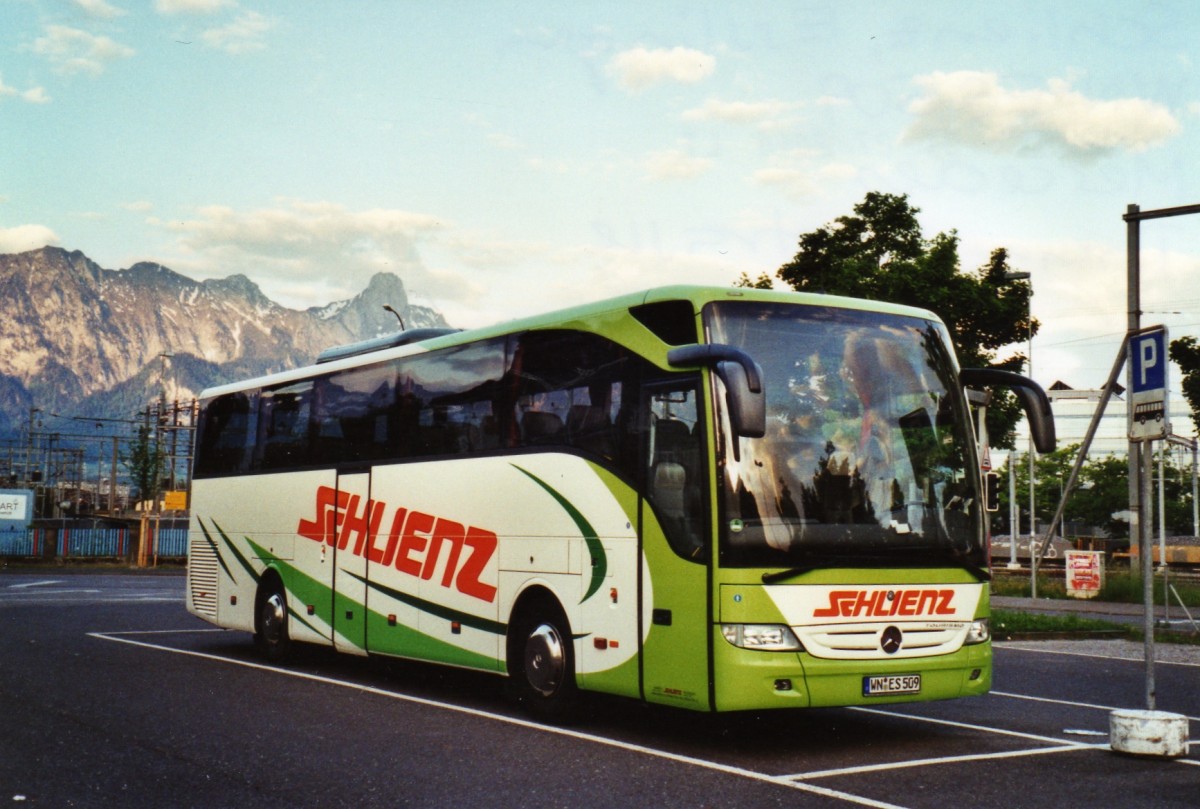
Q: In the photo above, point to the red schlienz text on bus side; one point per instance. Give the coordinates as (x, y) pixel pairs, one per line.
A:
(414, 544)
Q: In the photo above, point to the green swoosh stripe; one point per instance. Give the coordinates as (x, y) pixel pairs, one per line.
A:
(464, 618)
(242, 560)
(212, 543)
(595, 548)
(295, 576)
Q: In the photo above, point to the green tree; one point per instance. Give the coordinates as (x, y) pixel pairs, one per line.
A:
(879, 253)
(1103, 492)
(145, 460)
(1100, 492)
(762, 282)
(1186, 353)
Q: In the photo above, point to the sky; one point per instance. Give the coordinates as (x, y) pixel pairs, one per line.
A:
(506, 159)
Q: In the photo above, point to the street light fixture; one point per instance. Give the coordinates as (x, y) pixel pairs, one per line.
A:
(388, 308)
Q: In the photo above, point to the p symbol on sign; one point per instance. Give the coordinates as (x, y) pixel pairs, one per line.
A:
(1149, 349)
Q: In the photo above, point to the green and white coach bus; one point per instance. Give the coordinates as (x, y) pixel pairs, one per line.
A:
(720, 499)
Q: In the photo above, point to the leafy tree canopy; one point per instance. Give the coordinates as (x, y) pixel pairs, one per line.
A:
(1186, 353)
(879, 253)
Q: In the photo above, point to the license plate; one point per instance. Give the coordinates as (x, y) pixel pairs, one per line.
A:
(891, 684)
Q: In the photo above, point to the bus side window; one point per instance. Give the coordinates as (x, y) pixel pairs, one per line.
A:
(673, 473)
(284, 426)
(227, 435)
(566, 387)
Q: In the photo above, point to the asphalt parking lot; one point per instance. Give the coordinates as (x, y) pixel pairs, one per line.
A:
(113, 694)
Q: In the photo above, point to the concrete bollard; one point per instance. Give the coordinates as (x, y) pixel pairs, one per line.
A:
(1148, 733)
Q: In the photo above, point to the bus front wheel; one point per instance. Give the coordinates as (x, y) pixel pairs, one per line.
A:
(271, 622)
(542, 664)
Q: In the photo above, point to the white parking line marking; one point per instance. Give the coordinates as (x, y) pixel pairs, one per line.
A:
(964, 725)
(34, 584)
(1118, 658)
(783, 781)
(1067, 702)
(923, 762)
(45, 593)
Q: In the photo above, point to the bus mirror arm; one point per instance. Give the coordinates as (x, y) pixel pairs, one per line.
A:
(743, 380)
(1034, 401)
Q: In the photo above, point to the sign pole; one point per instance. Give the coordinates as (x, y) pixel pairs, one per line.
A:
(1149, 422)
(1149, 732)
(1144, 546)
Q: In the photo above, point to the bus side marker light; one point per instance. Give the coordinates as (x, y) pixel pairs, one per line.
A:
(600, 643)
(233, 601)
(312, 609)
(455, 628)
(391, 619)
(613, 595)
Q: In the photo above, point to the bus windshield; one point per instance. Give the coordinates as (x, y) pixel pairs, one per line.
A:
(867, 459)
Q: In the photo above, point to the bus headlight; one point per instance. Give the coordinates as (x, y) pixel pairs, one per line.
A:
(763, 637)
(980, 631)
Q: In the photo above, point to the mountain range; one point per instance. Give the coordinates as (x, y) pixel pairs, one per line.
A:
(81, 341)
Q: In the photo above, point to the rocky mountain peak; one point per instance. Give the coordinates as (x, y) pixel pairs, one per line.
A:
(83, 340)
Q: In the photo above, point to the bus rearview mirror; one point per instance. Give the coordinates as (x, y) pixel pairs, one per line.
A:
(745, 393)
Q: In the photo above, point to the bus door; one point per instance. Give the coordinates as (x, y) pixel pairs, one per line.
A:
(675, 654)
(357, 525)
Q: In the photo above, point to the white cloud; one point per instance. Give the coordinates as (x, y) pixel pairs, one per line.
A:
(99, 9)
(34, 95)
(305, 246)
(191, 6)
(505, 142)
(640, 67)
(310, 253)
(243, 35)
(71, 50)
(1080, 298)
(516, 279)
(769, 114)
(25, 237)
(797, 176)
(675, 165)
(973, 108)
(138, 206)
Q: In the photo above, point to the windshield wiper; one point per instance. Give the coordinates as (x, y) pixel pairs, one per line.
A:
(827, 562)
(980, 573)
(780, 575)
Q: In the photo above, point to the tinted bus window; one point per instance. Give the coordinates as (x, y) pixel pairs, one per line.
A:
(570, 391)
(284, 426)
(227, 434)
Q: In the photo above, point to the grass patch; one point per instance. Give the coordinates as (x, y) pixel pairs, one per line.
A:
(1013, 623)
(1119, 586)
(1009, 622)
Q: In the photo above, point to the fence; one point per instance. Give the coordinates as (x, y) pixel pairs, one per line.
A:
(87, 539)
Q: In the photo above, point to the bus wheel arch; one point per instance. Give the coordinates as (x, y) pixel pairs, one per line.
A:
(540, 654)
(271, 634)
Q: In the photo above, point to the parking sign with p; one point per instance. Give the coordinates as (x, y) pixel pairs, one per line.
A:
(1148, 399)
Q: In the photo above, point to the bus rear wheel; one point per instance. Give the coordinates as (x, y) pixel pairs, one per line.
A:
(271, 622)
(542, 664)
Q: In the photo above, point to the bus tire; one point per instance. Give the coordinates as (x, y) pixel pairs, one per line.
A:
(271, 620)
(541, 663)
